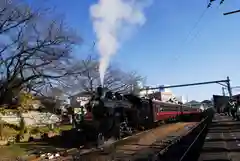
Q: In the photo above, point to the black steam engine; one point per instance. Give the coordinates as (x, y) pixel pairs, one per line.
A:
(112, 115)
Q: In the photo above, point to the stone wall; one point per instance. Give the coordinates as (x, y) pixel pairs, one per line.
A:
(32, 118)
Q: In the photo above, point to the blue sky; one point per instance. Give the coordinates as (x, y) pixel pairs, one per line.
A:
(164, 50)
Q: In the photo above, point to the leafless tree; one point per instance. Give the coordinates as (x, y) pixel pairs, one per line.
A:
(115, 79)
(34, 50)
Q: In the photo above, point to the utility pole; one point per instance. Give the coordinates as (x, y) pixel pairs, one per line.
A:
(91, 84)
(223, 91)
(229, 87)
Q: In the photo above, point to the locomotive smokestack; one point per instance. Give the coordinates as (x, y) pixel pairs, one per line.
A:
(100, 91)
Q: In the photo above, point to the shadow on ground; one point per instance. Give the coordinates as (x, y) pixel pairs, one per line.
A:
(41, 146)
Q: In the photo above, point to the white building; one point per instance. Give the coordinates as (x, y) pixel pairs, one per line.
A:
(80, 99)
(163, 95)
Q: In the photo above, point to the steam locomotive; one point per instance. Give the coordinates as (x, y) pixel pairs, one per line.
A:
(115, 115)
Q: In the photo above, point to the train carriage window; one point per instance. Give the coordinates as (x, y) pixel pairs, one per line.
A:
(157, 107)
(164, 108)
(160, 109)
(169, 107)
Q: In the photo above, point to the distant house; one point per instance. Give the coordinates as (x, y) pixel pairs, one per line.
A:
(50, 104)
(207, 103)
(236, 97)
(194, 104)
(163, 96)
(80, 99)
(198, 105)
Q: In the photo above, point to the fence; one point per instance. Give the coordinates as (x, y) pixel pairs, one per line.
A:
(31, 118)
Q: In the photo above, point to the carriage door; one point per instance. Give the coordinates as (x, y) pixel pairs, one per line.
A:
(181, 109)
(157, 113)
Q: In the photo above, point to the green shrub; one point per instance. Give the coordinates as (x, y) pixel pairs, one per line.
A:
(56, 130)
(12, 126)
(35, 131)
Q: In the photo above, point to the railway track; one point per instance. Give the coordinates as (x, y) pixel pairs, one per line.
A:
(143, 145)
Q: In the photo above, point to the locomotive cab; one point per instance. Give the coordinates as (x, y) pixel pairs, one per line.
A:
(142, 112)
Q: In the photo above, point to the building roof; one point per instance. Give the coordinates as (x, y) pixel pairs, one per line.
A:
(193, 102)
(85, 93)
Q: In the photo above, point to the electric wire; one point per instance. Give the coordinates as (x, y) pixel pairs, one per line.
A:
(191, 36)
(191, 31)
(196, 24)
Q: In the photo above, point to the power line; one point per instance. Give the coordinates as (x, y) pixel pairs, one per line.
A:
(199, 20)
(211, 1)
(190, 37)
(191, 31)
(196, 24)
(198, 32)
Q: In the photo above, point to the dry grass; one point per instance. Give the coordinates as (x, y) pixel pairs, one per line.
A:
(45, 129)
(11, 151)
(26, 149)
(8, 132)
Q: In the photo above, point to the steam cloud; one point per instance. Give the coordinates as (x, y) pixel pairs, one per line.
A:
(110, 17)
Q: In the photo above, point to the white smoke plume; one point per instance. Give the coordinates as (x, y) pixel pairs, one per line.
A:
(110, 17)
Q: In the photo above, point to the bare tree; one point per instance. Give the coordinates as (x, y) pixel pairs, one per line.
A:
(33, 49)
(88, 79)
(124, 82)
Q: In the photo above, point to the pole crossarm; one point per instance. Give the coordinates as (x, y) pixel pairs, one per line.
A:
(232, 12)
(190, 84)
